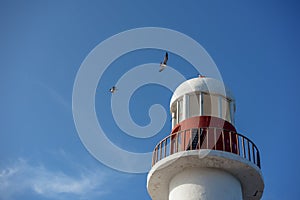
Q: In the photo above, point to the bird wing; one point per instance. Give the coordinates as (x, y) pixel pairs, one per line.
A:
(166, 58)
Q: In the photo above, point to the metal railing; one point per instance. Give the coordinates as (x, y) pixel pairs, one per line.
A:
(207, 138)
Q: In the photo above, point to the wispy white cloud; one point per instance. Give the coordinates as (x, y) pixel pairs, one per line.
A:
(22, 178)
(55, 95)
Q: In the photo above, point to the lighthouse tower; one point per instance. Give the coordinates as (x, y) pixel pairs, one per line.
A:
(204, 157)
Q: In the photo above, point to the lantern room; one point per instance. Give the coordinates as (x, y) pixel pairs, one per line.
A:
(203, 116)
(202, 96)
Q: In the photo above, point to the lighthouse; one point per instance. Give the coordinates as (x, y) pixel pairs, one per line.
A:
(204, 157)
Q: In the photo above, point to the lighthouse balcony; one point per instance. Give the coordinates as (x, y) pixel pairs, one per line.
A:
(208, 138)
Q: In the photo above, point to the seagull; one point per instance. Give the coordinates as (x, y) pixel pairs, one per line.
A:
(163, 64)
(113, 89)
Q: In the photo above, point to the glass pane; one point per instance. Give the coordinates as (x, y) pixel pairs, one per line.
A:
(210, 105)
(180, 110)
(226, 109)
(206, 105)
(194, 106)
(174, 118)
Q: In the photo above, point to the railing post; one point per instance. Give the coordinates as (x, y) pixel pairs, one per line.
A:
(230, 141)
(207, 129)
(258, 159)
(244, 150)
(165, 147)
(191, 139)
(237, 143)
(171, 146)
(161, 146)
(215, 142)
(199, 139)
(184, 146)
(223, 140)
(176, 141)
(153, 157)
(253, 154)
(249, 155)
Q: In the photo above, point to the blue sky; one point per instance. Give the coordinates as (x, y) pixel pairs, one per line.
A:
(43, 43)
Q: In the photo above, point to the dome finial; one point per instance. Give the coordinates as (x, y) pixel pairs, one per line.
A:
(201, 75)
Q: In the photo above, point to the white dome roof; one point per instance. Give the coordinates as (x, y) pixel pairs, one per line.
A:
(201, 84)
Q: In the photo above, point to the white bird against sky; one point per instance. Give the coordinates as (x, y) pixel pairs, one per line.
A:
(113, 89)
(163, 64)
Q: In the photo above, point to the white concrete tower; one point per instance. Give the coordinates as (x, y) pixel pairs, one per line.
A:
(204, 158)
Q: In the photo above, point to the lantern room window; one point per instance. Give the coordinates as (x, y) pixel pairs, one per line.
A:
(194, 105)
(180, 110)
(211, 105)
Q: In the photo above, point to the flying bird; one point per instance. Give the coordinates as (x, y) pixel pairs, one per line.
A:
(163, 64)
(113, 89)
